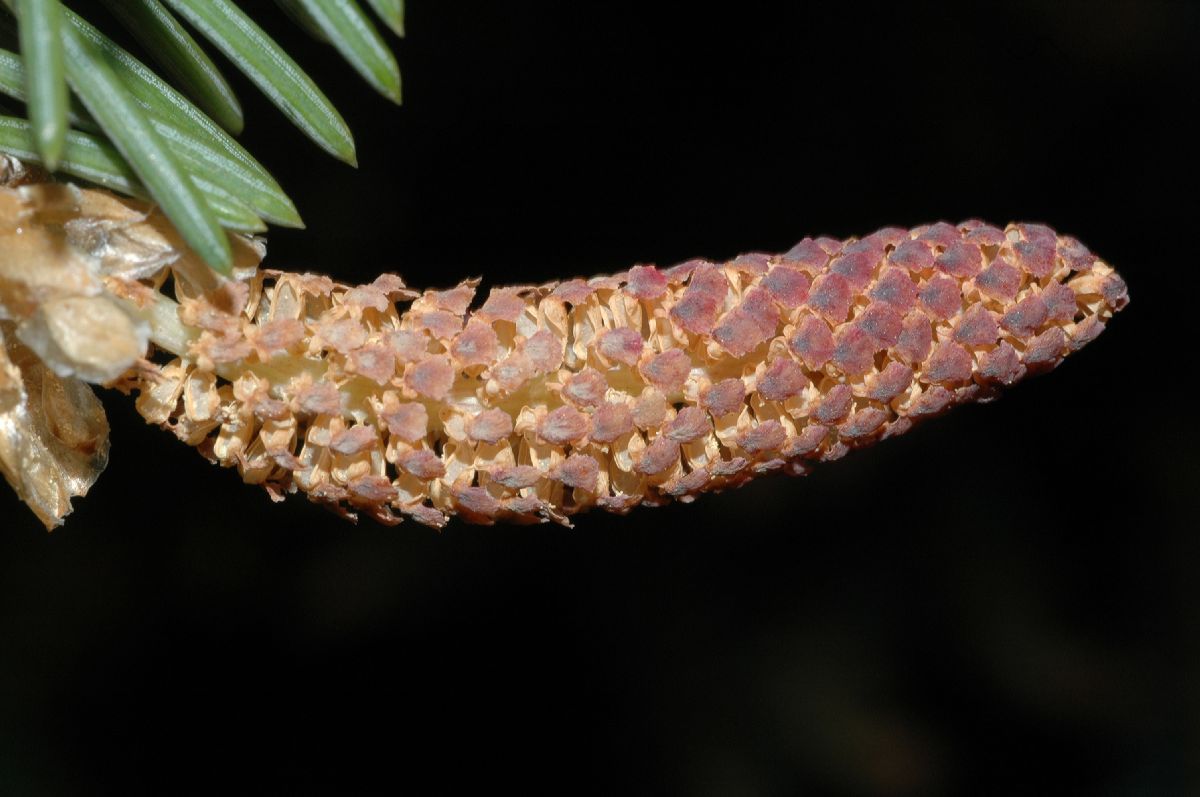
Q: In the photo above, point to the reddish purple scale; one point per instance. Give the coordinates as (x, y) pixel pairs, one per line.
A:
(518, 477)
(544, 350)
(668, 371)
(854, 350)
(863, 423)
(950, 363)
(959, 260)
(1037, 258)
(574, 291)
(1047, 348)
(1029, 314)
(503, 304)
(812, 342)
(622, 345)
(807, 254)
(940, 234)
(941, 297)
(915, 339)
(982, 234)
(408, 422)
(689, 424)
(476, 345)
(1002, 364)
(490, 426)
(563, 425)
(586, 388)
(753, 263)
(977, 327)
(725, 397)
(1060, 302)
(857, 267)
(836, 404)
(610, 422)
(422, 463)
(697, 311)
(646, 283)
(766, 436)
(912, 255)
(408, 346)
(831, 297)
(788, 286)
(807, 441)
(1001, 280)
(441, 324)
(895, 287)
(882, 323)
(431, 378)
(579, 471)
(889, 383)
(783, 379)
(660, 455)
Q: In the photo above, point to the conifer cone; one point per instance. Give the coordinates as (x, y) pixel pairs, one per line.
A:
(640, 387)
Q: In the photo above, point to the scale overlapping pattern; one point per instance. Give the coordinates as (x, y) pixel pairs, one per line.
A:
(641, 387)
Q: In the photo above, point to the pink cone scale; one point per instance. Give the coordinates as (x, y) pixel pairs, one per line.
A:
(636, 388)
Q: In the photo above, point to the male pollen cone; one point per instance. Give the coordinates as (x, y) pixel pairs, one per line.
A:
(619, 390)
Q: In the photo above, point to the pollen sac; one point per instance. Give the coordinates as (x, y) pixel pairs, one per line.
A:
(896, 288)
(959, 260)
(752, 322)
(579, 470)
(690, 424)
(1026, 317)
(831, 297)
(978, 328)
(1000, 280)
(610, 422)
(766, 436)
(787, 285)
(503, 304)
(725, 397)
(882, 323)
(941, 297)
(659, 456)
(812, 342)
(563, 425)
(807, 255)
(646, 386)
(544, 350)
(431, 378)
(408, 421)
(646, 282)
(669, 370)
(853, 350)
(913, 255)
(490, 426)
(1036, 257)
(701, 302)
(585, 389)
(621, 345)
(476, 345)
(783, 379)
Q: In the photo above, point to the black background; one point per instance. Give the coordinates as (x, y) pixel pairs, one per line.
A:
(1004, 601)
